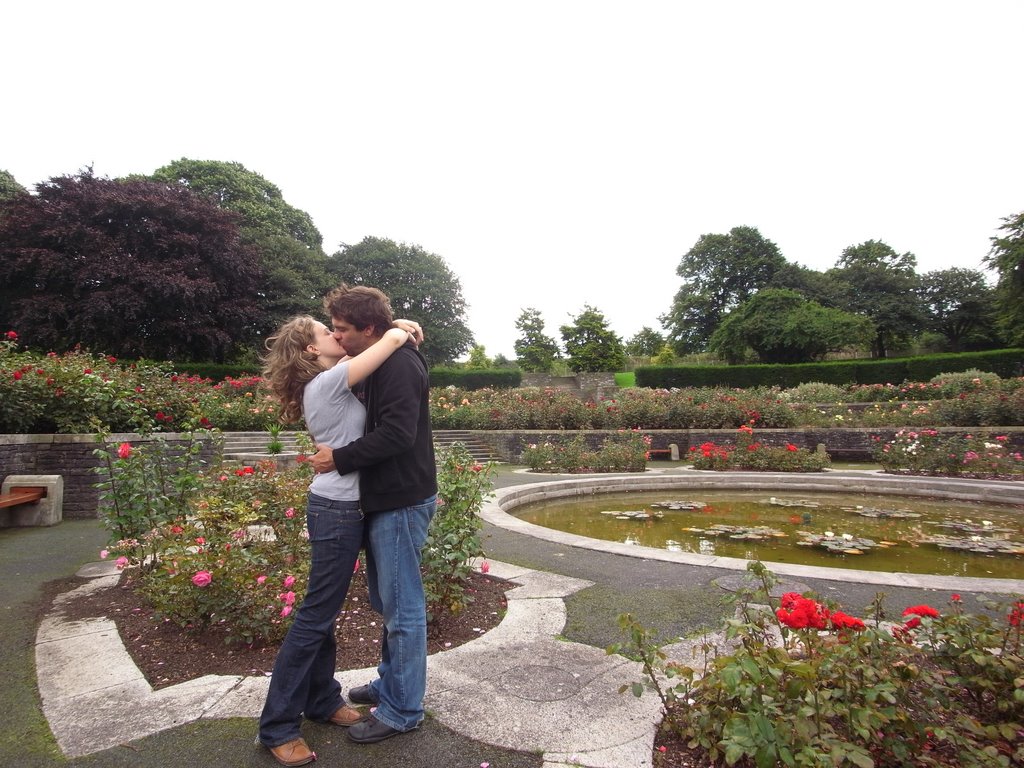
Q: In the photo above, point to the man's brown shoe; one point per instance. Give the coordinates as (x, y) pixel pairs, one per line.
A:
(294, 752)
(346, 716)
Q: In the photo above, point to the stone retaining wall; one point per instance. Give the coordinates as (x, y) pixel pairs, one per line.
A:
(854, 444)
(71, 456)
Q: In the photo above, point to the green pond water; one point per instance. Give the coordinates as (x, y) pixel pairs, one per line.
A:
(868, 532)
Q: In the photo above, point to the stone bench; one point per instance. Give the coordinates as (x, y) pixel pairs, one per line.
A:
(31, 500)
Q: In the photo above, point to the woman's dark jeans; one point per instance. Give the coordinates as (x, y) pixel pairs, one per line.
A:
(303, 679)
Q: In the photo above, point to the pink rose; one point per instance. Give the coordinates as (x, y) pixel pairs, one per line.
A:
(286, 610)
(260, 579)
(122, 562)
(290, 512)
(289, 580)
(103, 554)
(202, 579)
(485, 567)
(289, 598)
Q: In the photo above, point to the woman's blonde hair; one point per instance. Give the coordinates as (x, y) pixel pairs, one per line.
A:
(288, 365)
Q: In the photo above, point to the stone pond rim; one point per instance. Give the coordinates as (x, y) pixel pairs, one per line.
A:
(497, 508)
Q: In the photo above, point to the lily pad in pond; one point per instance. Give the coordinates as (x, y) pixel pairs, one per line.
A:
(679, 505)
(846, 544)
(793, 503)
(981, 545)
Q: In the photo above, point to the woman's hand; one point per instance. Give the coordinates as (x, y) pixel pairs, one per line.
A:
(412, 328)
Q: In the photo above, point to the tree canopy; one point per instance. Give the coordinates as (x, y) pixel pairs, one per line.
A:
(288, 243)
(647, 342)
(421, 288)
(881, 284)
(1007, 258)
(781, 326)
(9, 186)
(536, 352)
(960, 305)
(130, 268)
(591, 345)
(719, 273)
(234, 187)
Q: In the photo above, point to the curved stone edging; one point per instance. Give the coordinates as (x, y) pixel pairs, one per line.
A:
(496, 511)
(87, 681)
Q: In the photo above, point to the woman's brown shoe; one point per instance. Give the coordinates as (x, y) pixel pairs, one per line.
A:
(294, 752)
(346, 716)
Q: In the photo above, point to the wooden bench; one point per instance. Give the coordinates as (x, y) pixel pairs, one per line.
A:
(26, 494)
(29, 500)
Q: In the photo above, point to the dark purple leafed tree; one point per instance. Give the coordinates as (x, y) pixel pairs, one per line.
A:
(131, 268)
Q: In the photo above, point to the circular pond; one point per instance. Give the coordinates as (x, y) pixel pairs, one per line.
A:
(870, 532)
(889, 529)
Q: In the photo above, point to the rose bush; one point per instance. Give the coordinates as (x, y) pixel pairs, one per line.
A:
(928, 451)
(82, 392)
(751, 455)
(805, 684)
(624, 451)
(227, 545)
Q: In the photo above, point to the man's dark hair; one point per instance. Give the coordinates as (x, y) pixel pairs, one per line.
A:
(360, 306)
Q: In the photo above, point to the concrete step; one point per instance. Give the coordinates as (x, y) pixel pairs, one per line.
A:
(477, 448)
(247, 446)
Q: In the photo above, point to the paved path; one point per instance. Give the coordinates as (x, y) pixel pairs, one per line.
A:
(535, 691)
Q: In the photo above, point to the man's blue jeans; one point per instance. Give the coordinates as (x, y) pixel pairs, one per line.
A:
(303, 678)
(395, 538)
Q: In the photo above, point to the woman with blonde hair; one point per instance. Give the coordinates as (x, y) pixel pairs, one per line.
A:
(311, 376)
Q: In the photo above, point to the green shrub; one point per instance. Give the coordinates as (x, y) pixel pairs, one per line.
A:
(751, 455)
(624, 451)
(814, 392)
(453, 539)
(465, 378)
(228, 546)
(840, 690)
(928, 451)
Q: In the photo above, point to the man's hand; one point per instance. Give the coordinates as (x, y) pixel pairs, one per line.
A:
(323, 460)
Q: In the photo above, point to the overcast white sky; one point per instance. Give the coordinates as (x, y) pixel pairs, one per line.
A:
(556, 154)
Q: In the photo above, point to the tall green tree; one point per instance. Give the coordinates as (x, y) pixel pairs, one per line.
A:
(719, 273)
(959, 304)
(129, 268)
(234, 187)
(647, 342)
(288, 243)
(819, 287)
(591, 345)
(420, 285)
(1007, 258)
(478, 360)
(781, 326)
(536, 352)
(882, 285)
(9, 186)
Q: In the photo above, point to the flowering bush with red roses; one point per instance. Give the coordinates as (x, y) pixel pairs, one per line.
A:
(752, 455)
(233, 550)
(453, 539)
(808, 685)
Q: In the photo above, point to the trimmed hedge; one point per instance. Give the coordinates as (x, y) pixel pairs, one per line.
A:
(217, 371)
(476, 378)
(1008, 363)
(495, 378)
